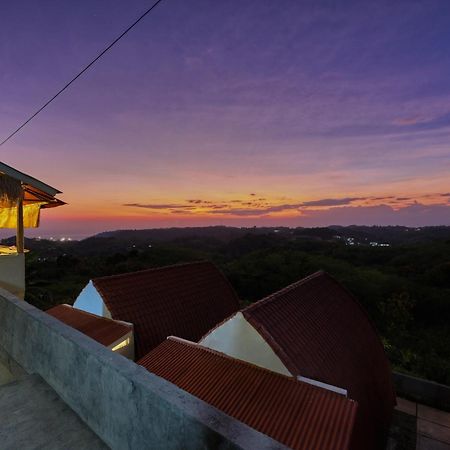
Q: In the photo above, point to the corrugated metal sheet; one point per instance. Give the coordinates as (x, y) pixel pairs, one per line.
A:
(184, 300)
(103, 330)
(321, 332)
(296, 414)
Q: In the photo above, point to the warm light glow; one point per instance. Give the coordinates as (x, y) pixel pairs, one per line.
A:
(121, 345)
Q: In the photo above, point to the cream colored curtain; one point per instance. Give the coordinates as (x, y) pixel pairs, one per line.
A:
(31, 214)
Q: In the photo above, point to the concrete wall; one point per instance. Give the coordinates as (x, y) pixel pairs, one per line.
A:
(237, 338)
(422, 391)
(126, 406)
(9, 369)
(12, 273)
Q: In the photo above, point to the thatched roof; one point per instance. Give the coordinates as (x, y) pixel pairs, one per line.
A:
(10, 191)
(15, 185)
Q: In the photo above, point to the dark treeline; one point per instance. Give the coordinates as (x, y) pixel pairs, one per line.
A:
(405, 287)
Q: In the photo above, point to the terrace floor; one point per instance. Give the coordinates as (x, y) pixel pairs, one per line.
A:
(419, 427)
(5, 375)
(32, 416)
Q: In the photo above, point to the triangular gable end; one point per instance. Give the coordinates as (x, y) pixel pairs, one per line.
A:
(91, 301)
(237, 338)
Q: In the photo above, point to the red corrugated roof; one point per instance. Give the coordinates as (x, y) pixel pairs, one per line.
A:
(296, 414)
(320, 331)
(186, 300)
(103, 330)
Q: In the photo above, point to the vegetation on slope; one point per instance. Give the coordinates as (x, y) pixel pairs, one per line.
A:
(405, 287)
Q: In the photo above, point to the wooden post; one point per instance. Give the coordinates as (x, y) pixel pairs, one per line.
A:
(20, 239)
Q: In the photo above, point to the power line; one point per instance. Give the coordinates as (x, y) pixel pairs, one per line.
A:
(81, 72)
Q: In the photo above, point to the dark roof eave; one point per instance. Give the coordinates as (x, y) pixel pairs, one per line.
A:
(27, 179)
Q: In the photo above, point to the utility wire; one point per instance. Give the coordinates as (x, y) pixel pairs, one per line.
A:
(81, 72)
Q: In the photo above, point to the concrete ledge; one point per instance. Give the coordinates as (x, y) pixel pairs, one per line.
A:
(422, 391)
(126, 406)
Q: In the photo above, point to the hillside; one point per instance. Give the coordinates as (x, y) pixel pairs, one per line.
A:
(404, 284)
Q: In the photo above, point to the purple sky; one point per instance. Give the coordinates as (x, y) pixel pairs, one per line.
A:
(309, 105)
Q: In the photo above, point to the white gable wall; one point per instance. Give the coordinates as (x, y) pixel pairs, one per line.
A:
(238, 339)
(90, 301)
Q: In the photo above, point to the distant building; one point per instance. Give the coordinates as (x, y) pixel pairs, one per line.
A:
(316, 331)
(116, 335)
(186, 300)
(298, 415)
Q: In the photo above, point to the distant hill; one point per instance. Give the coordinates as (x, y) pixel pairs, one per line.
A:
(110, 242)
(362, 234)
(221, 233)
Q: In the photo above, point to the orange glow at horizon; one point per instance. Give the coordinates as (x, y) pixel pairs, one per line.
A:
(236, 207)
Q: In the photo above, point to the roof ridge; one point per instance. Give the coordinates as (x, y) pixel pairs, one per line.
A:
(288, 288)
(87, 313)
(151, 269)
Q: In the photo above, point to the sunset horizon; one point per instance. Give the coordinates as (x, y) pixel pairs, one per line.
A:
(225, 224)
(244, 115)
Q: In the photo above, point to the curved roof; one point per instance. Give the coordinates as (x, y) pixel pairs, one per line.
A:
(320, 331)
(184, 300)
(294, 413)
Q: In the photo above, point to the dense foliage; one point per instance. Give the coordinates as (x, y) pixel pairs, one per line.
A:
(405, 287)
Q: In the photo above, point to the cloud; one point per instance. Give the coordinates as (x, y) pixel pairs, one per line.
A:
(159, 206)
(257, 211)
(382, 198)
(405, 121)
(200, 202)
(408, 128)
(333, 201)
(250, 208)
(336, 210)
(218, 206)
(412, 215)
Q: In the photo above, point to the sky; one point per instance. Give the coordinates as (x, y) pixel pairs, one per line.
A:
(242, 113)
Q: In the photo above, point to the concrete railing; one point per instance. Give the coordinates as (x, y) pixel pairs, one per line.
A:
(12, 273)
(422, 391)
(126, 406)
